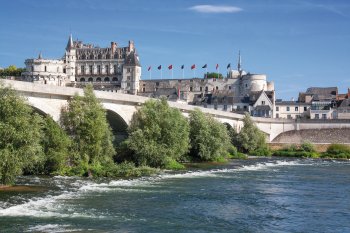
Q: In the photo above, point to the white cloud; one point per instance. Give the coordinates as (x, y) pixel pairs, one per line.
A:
(215, 9)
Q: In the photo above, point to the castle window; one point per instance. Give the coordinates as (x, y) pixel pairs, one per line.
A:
(317, 116)
(277, 115)
(143, 89)
(106, 79)
(45, 69)
(288, 109)
(98, 69)
(82, 69)
(107, 69)
(90, 80)
(217, 88)
(129, 78)
(157, 84)
(115, 69)
(90, 70)
(246, 85)
(263, 102)
(229, 87)
(100, 56)
(98, 80)
(200, 88)
(296, 109)
(277, 109)
(128, 70)
(115, 79)
(91, 56)
(64, 70)
(32, 68)
(128, 84)
(191, 88)
(82, 80)
(206, 88)
(305, 108)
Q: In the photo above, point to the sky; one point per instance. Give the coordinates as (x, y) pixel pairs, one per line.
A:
(296, 43)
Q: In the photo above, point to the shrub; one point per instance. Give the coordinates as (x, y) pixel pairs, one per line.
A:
(338, 151)
(307, 146)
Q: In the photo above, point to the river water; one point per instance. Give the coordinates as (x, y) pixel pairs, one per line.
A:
(256, 195)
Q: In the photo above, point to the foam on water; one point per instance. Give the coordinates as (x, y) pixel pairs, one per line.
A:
(54, 206)
(53, 228)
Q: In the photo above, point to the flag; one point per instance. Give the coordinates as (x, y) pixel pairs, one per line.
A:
(160, 67)
(205, 66)
(149, 68)
(182, 67)
(170, 67)
(217, 66)
(193, 66)
(229, 65)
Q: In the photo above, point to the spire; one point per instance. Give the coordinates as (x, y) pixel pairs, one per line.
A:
(70, 42)
(40, 55)
(239, 66)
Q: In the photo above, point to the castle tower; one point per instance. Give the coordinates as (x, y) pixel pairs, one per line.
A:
(70, 59)
(131, 73)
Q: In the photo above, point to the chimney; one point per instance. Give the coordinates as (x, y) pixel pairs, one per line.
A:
(113, 47)
(131, 45)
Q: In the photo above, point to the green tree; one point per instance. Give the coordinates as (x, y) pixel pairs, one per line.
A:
(209, 138)
(158, 134)
(251, 138)
(12, 70)
(56, 145)
(20, 136)
(84, 119)
(214, 75)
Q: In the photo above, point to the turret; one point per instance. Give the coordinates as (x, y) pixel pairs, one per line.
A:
(70, 43)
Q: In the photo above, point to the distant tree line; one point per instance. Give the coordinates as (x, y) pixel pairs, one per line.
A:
(11, 71)
(82, 142)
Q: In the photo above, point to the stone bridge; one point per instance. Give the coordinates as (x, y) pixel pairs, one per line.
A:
(48, 99)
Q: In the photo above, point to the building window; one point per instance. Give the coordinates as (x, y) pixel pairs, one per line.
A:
(115, 79)
(277, 109)
(217, 88)
(106, 79)
(225, 107)
(91, 70)
(305, 108)
(128, 70)
(288, 109)
(246, 85)
(289, 116)
(200, 88)
(324, 116)
(82, 80)
(115, 69)
(277, 115)
(229, 87)
(90, 79)
(107, 69)
(45, 69)
(157, 84)
(98, 69)
(143, 89)
(64, 70)
(129, 78)
(98, 80)
(296, 109)
(206, 89)
(82, 69)
(128, 84)
(317, 116)
(32, 68)
(263, 102)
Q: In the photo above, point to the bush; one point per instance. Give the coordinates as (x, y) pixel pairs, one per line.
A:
(264, 151)
(174, 165)
(339, 151)
(307, 146)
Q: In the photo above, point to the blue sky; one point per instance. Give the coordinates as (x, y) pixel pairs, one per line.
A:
(297, 43)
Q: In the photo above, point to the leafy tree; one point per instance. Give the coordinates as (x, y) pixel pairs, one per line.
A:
(158, 134)
(251, 138)
(56, 144)
(20, 136)
(214, 75)
(209, 138)
(12, 71)
(84, 119)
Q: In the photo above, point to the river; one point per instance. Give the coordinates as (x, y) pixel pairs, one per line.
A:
(255, 195)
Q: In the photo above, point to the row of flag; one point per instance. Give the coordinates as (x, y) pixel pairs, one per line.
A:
(170, 67)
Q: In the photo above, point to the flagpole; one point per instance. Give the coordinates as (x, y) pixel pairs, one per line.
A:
(183, 73)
